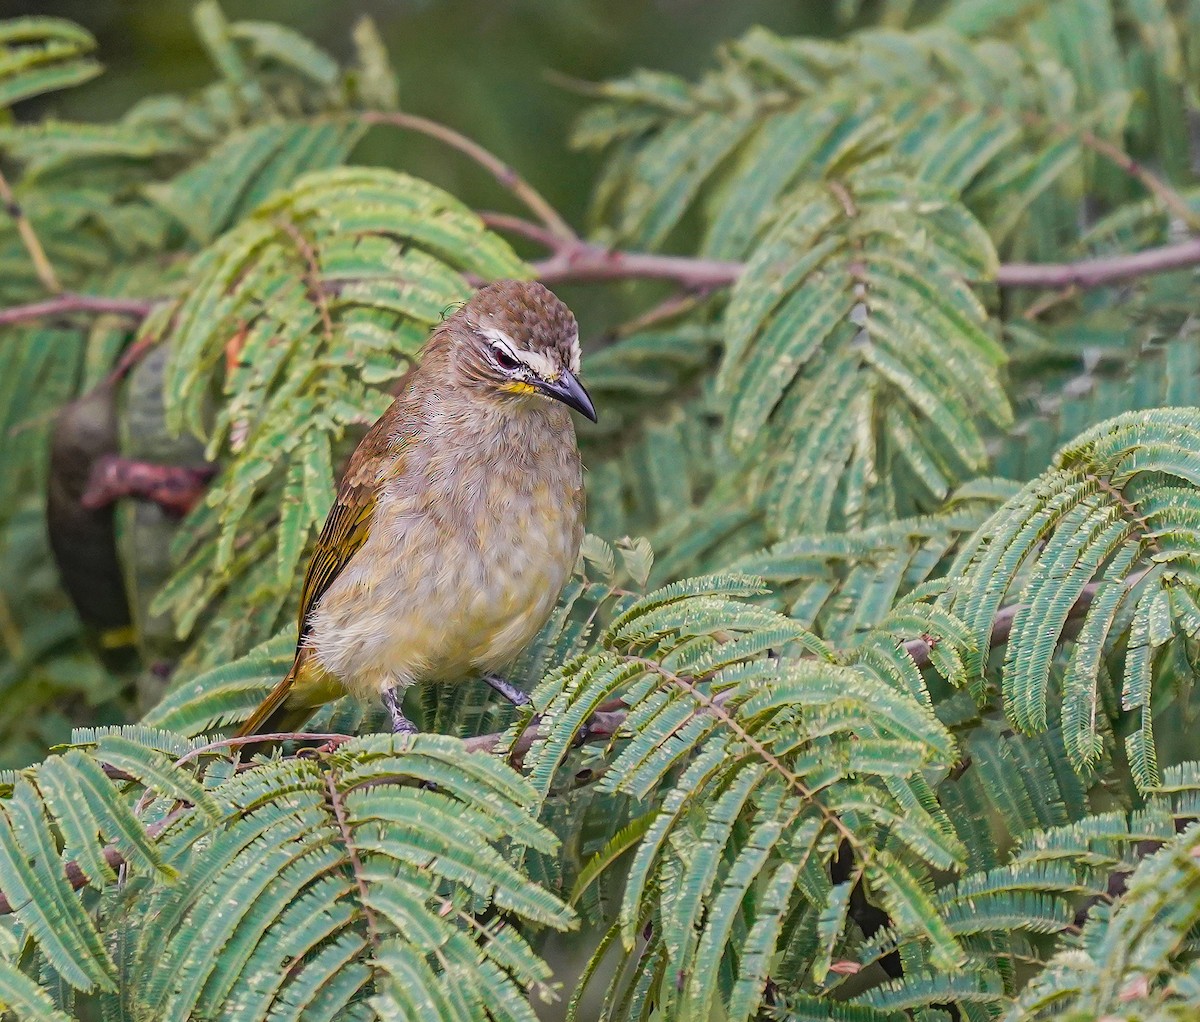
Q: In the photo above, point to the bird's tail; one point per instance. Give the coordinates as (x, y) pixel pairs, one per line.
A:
(285, 709)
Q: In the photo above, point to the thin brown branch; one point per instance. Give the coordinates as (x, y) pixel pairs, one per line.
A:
(669, 308)
(1114, 154)
(75, 875)
(608, 720)
(1165, 194)
(1140, 525)
(584, 262)
(65, 304)
(29, 238)
(521, 227)
(274, 736)
(1103, 271)
(312, 274)
(919, 649)
(1048, 301)
(501, 171)
(715, 706)
(842, 194)
(602, 725)
(130, 357)
(112, 856)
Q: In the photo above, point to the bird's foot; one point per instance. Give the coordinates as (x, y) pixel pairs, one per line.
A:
(507, 689)
(401, 725)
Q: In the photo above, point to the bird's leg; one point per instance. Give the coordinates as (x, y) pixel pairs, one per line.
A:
(507, 689)
(520, 698)
(401, 725)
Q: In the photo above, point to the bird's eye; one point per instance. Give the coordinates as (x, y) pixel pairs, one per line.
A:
(504, 360)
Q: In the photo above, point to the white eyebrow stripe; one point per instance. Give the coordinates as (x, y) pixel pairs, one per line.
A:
(541, 364)
(500, 339)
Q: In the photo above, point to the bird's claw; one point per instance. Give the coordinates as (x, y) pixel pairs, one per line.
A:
(506, 688)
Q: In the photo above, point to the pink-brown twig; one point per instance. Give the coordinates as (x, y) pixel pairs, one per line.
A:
(66, 304)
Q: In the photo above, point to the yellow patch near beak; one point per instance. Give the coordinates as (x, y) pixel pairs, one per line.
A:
(519, 387)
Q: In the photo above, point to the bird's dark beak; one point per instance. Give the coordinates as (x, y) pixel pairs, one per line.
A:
(570, 392)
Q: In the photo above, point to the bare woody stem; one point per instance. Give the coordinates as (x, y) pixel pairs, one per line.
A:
(607, 721)
(356, 866)
(507, 177)
(1103, 271)
(575, 260)
(1165, 194)
(75, 875)
(1119, 158)
(580, 261)
(65, 304)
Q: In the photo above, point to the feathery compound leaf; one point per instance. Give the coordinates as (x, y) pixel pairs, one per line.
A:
(246, 168)
(87, 806)
(1128, 954)
(916, 759)
(33, 882)
(785, 751)
(27, 1001)
(1086, 538)
(325, 873)
(782, 111)
(39, 55)
(224, 695)
(875, 305)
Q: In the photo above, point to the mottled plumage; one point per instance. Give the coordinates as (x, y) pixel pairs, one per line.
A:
(459, 516)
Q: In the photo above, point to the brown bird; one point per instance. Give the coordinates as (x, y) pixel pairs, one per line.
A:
(458, 520)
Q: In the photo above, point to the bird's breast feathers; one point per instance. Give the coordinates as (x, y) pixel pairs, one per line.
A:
(465, 560)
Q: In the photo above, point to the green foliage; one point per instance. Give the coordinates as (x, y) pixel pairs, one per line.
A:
(1110, 524)
(884, 361)
(119, 209)
(1136, 960)
(365, 868)
(887, 627)
(783, 755)
(42, 55)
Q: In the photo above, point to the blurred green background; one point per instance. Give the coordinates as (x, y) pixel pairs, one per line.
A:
(495, 70)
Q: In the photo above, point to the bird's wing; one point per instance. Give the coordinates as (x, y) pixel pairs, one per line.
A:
(349, 522)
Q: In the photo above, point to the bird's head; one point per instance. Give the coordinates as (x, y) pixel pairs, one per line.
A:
(515, 340)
